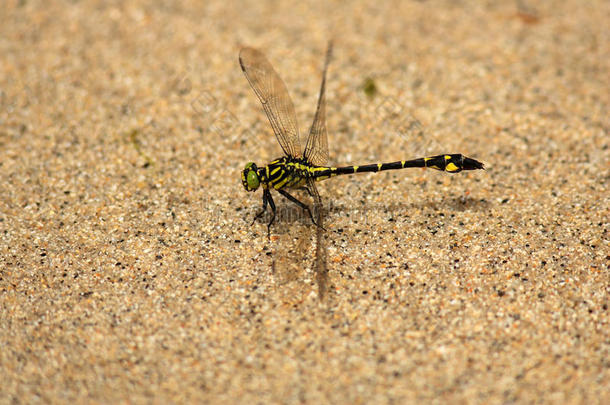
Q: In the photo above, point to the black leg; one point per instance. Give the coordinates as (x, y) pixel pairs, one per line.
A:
(260, 214)
(272, 204)
(308, 191)
(300, 204)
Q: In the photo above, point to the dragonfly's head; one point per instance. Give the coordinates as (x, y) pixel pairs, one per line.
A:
(250, 178)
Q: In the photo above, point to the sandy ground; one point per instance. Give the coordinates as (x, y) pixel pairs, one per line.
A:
(129, 270)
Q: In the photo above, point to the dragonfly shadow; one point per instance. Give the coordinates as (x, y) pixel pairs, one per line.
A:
(457, 204)
(290, 255)
(320, 265)
(293, 255)
(298, 247)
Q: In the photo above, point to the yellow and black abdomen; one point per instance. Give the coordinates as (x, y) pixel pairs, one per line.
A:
(292, 173)
(453, 163)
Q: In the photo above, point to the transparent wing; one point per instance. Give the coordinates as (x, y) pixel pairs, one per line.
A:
(313, 192)
(316, 148)
(274, 97)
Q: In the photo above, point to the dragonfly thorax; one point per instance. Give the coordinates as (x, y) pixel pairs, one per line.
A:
(284, 172)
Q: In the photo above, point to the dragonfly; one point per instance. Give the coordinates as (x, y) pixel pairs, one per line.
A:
(303, 168)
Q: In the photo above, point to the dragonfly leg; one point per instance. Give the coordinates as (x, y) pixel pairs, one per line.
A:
(300, 204)
(272, 205)
(308, 191)
(260, 214)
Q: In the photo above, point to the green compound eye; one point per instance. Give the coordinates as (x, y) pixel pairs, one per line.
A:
(253, 181)
(250, 177)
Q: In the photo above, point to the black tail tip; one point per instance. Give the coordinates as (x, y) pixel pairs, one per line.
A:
(471, 164)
